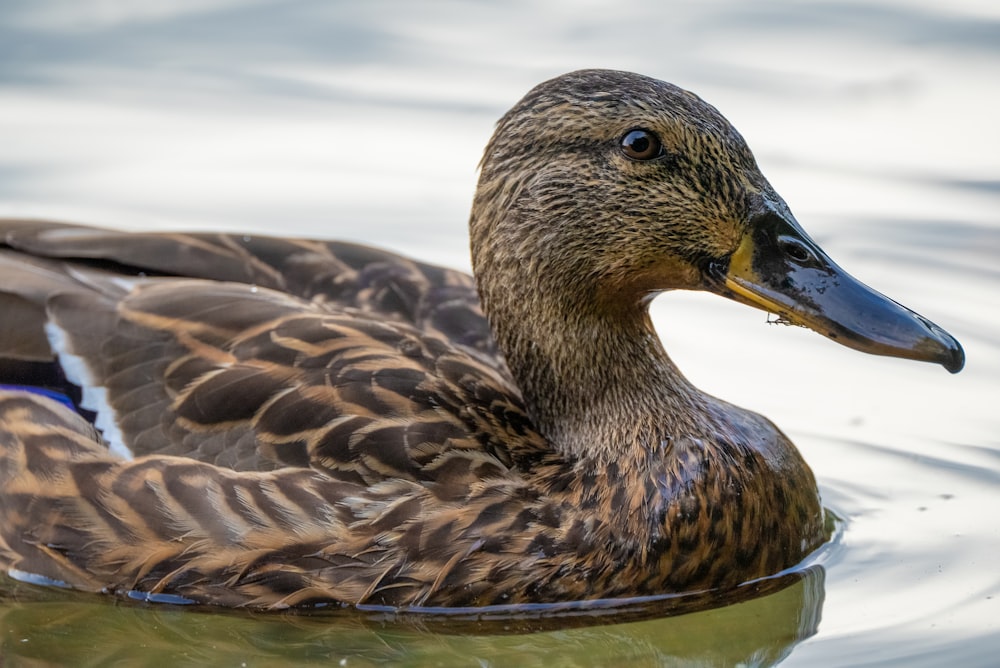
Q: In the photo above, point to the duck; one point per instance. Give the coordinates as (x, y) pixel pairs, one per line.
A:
(272, 423)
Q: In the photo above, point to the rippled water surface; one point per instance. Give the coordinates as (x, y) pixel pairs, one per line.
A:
(875, 121)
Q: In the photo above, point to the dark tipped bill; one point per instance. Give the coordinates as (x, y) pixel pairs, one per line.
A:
(779, 269)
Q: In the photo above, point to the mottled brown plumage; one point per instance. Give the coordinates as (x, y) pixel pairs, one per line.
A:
(291, 422)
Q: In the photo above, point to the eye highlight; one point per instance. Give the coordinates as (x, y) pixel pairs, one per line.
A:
(641, 144)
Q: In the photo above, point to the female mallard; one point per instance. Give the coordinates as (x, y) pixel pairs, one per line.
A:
(287, 423)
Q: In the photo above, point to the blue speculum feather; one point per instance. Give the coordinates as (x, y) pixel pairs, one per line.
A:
(51, 394)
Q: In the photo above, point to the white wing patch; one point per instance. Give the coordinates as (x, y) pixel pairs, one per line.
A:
(95, 397)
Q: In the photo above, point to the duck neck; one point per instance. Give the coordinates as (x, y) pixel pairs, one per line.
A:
(594, 376)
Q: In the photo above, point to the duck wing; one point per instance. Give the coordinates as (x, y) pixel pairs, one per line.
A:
(245, 445)
(251, 378)
(432, 298)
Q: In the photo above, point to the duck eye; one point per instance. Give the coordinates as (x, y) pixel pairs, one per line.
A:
(641, 145)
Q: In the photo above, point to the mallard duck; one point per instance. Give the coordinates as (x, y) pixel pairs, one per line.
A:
(275, 423)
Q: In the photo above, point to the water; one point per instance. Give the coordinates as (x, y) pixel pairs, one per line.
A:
(875, 121)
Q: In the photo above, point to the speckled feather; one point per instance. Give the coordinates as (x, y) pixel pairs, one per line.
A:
(315, 421)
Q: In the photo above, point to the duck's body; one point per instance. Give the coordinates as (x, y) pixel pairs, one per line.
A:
(296, 422)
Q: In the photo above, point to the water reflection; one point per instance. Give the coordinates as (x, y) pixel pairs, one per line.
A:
(758, 632)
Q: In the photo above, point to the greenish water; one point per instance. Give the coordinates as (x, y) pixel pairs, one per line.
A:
(81, 631)
(365, 121)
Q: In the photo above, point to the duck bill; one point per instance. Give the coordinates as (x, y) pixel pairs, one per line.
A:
(779, 269)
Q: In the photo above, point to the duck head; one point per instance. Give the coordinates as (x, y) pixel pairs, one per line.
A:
(601, 189)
